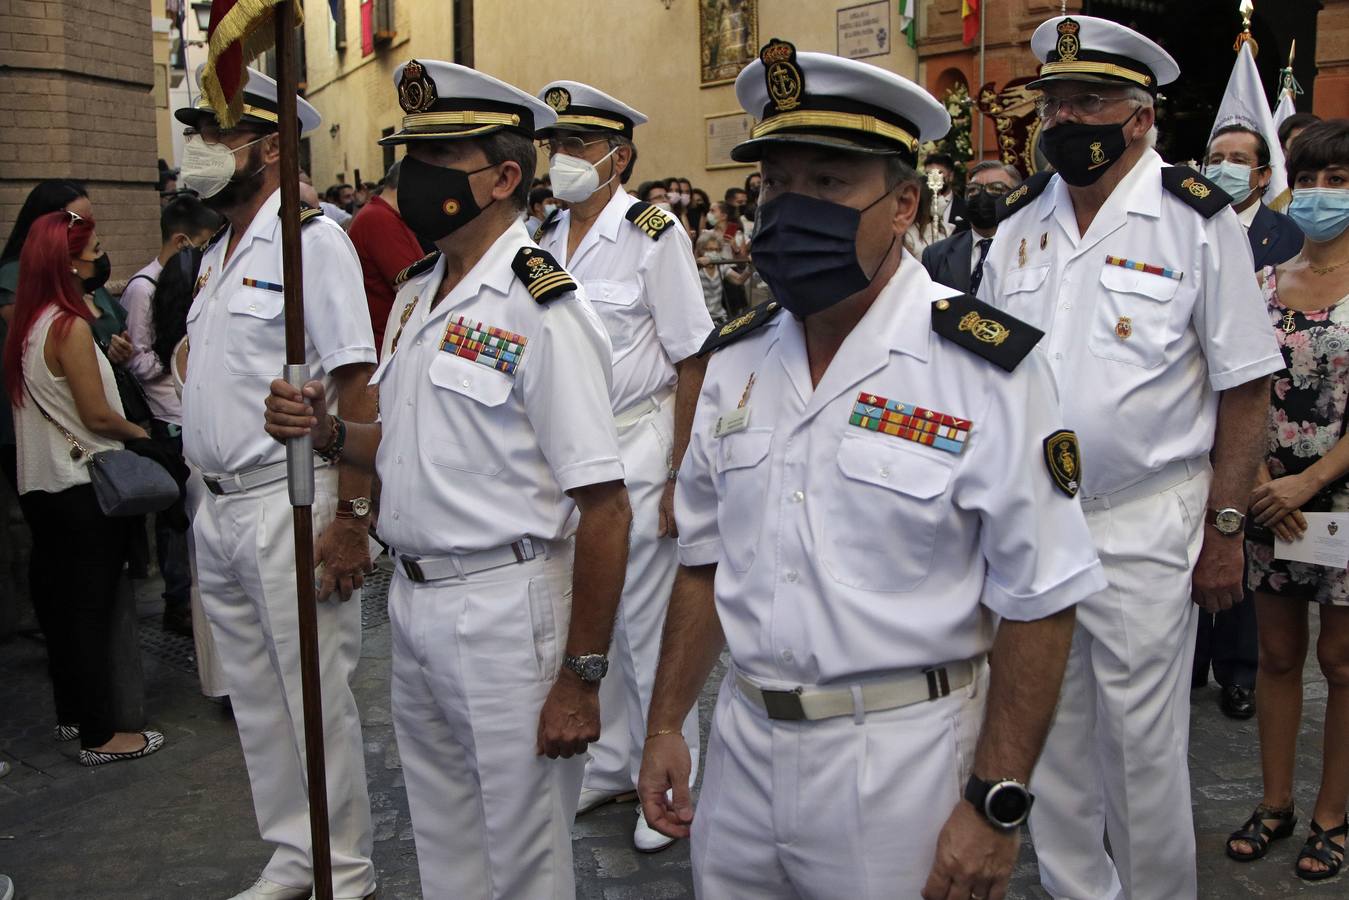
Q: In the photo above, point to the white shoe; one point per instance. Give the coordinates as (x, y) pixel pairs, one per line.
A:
(263, 889)
(594, 798)
(647, 839)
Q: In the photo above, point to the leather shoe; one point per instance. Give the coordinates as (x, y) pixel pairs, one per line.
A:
(263, 889)
(593, 798)
(647, 839)
(1238, 702)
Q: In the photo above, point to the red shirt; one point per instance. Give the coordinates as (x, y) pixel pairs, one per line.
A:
(385, 247)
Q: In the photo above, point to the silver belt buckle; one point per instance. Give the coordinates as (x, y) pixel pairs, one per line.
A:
(938, 684)
(412, 569)
(783, 704)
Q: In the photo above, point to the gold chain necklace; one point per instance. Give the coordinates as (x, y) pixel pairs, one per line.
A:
(1325, 270)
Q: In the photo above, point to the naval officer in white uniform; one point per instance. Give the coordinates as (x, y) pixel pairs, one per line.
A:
(1140, 276)
(877, 474)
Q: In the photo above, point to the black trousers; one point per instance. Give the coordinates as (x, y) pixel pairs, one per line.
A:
(1229, 641)
(73, 573)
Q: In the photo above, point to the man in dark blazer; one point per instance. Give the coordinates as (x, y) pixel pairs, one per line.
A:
(1238, 161)
(958, 260)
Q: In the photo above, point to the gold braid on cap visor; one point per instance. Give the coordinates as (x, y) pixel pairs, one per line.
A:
(256, 112)
(1079, 67)
(812, 118)
(487, 120)
(596, 121)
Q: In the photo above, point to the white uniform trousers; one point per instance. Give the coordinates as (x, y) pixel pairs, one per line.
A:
(1115, 763)
(246, 566)
(473, 661)
(845, 807)
(625, 694)
(209, 675)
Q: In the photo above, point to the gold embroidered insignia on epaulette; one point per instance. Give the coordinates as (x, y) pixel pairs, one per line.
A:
(417, 268)
(309, 214)
(542, 276)
(986, 330)
(1195, 188)
(651, 219)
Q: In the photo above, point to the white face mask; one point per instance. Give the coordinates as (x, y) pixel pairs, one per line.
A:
(678, 199)
(208, 168)
(662, 204)
(549, 209)
(573, 179)
(712, 220)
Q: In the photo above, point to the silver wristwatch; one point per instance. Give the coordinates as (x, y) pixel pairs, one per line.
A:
(590, 668)
(1227, 521)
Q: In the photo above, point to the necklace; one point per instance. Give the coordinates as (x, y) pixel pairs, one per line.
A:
(1323, 270)
(1288, 326)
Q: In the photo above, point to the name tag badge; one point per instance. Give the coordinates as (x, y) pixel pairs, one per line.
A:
(731, 422)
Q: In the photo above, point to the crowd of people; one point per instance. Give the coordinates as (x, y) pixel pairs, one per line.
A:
(1010, 579)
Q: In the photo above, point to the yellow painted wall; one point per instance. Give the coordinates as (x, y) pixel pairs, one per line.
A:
(636, 50)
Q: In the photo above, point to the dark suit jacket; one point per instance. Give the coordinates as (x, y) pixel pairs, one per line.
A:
(948, 261)
(1274, 238)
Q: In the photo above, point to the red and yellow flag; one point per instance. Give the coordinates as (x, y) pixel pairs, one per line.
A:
(969, 18)
(240, 30)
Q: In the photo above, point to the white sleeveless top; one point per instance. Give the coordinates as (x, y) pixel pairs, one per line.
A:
(43, 451)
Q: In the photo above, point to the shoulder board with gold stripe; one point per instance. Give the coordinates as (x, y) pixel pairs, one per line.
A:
(309, 214)
(1198, 192)
(545, 225)
(651, 219)
(220, 232)
(422, 265)
(983, 330)
(541, 274)
(739, 327)
(1023, 194)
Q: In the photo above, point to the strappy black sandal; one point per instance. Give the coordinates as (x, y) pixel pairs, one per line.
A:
(1320, 848)
(1259, 835)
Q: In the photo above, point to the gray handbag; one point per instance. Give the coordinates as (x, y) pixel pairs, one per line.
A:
(125, 483)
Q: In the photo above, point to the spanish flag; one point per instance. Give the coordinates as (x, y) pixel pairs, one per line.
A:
(969, 17)
(240, 30)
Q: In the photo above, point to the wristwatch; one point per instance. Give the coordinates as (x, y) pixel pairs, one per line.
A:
(1228, 521)
(1005, 803)
(355, 508)
(590, 667)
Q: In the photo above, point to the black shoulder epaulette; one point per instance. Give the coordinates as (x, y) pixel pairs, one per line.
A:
(1200, 194)
(1029, 189)
(983, 330)
(309, 214)
(546, 224)
(545, 279)
(422, 265)
(737, 328)
(219, 233)
(651, 219)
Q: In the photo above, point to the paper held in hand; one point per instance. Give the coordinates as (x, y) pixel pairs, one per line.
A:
(1326, 542)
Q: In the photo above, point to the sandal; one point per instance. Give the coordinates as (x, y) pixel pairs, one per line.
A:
(1322, 849)
(1258, 834)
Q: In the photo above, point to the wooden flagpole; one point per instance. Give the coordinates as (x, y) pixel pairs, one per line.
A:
(299, 452)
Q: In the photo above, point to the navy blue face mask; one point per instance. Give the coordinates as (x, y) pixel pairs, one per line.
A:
(806, 251)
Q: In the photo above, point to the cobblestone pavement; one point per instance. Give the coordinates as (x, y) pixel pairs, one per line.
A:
(180, 825)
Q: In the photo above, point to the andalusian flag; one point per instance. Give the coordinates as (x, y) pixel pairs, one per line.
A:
(969, 17)
(240, 30)
(908, 20)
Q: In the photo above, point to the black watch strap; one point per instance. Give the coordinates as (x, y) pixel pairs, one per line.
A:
(1000, 814)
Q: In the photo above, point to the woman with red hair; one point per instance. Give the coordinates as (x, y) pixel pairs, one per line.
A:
(57, 379)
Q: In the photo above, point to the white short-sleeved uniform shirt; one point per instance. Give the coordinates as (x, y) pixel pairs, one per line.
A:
(646, 292)
(1139, 350)
(478, 449)
(237, 333)
(843, 551)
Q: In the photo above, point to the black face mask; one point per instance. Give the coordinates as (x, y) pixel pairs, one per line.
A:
(1082, 153)
(436, 201)
(982, 210)
(102, 269)
(806, 251)
(189, 258)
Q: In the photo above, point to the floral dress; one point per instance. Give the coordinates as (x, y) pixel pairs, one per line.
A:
(1306, 419)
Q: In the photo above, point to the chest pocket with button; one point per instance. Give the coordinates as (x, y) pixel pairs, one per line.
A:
(742, 485)
(883, 513)
(1023, 296)
(255, 335)
(615, 302)
(456, 431)
(1134, 312)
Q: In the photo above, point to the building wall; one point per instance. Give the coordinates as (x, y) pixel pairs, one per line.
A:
(1332, 59)
(641, 52)
(77, 102)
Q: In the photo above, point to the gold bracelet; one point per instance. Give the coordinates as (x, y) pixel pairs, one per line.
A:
(656, 734)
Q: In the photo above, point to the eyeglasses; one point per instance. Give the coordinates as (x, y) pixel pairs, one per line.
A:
(569, 146)
(997, 189)
(1077, 104)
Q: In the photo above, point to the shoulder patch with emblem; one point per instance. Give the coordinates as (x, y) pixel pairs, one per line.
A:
(984, 330)
(738, 327)
(541, 274)
(419, 267)
(1027, 191)
(546, 225)
(651, 219)
(1064, 459)
(1198, 192)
